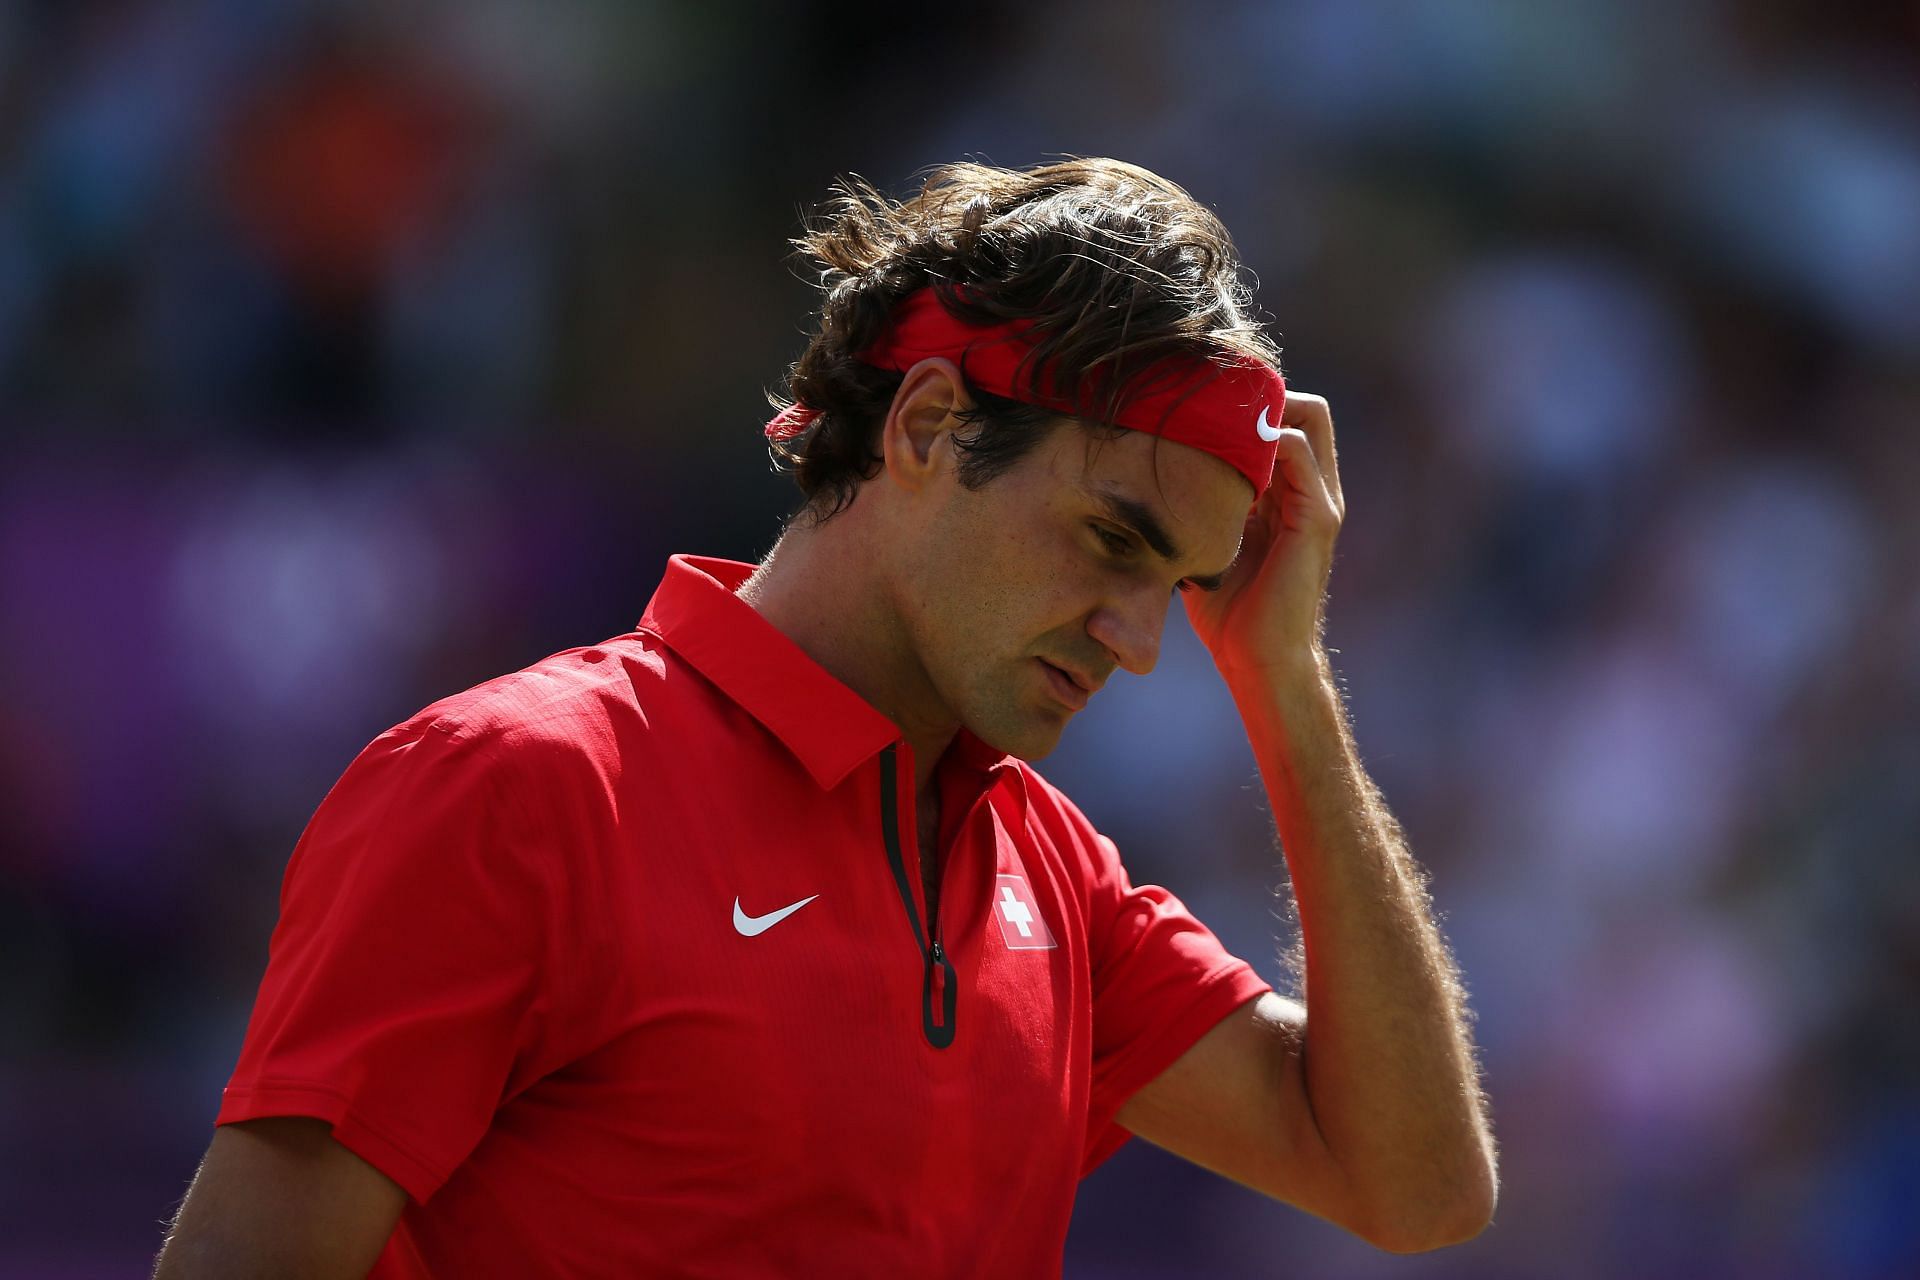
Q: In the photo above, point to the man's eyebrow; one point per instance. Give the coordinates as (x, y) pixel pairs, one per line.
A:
(1137, 516)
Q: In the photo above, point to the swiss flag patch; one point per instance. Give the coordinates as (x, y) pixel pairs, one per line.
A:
(1020, 922)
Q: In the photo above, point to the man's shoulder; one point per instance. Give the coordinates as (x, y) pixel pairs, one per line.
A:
(1054, 809)
(580, 704)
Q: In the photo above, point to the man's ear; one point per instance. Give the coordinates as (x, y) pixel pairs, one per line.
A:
(916, 439)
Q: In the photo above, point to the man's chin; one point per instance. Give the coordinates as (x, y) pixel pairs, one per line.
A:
(1034, 740)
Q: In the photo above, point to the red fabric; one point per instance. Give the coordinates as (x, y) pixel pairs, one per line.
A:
(507, 971)
(1230, 409)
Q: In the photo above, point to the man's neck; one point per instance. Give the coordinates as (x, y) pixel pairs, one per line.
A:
(820, 588)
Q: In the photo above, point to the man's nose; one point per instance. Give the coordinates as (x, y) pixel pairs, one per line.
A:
(1129, 629)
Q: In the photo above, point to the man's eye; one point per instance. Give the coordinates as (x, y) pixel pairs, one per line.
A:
(1113, 542)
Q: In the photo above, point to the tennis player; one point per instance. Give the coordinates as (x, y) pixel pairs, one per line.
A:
(751, 943)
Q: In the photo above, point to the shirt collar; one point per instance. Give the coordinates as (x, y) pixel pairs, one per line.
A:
(829, 727)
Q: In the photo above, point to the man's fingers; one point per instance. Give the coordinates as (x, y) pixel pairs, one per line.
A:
(1301, 472)
(1309, 413)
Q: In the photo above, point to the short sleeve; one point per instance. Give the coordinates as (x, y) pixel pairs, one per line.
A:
(406, 973)
(1161, 980)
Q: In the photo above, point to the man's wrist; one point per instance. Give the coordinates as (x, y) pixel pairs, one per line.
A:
(1302, 670)
(1291, 708)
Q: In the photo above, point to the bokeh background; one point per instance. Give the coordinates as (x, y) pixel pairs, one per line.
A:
(352, 353)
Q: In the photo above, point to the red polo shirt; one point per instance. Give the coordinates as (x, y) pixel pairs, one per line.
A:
(621, 965)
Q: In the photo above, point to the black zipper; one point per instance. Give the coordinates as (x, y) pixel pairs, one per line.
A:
(938, 987)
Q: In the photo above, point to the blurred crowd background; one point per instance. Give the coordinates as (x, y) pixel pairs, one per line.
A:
(352, 353)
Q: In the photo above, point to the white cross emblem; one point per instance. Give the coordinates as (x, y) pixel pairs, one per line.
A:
(1015, 911)
(1023, 927)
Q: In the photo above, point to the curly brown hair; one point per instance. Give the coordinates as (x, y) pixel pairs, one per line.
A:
(1116, 268)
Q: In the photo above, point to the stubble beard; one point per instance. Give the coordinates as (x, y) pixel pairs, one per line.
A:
(1002, 713)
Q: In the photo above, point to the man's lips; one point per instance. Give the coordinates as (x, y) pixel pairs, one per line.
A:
(1070, 689)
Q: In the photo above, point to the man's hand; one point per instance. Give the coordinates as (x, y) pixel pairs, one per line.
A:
(1268, 614)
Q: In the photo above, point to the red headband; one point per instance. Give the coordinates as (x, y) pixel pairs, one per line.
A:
(1231, 410)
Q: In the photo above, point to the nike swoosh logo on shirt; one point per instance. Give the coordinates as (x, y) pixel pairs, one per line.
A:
(753, 926)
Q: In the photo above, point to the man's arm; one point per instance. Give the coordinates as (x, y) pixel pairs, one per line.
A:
(1368, 1113)
(1364, 1107)
(280, 1197)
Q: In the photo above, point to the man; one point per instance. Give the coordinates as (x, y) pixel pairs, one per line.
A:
(747, 943)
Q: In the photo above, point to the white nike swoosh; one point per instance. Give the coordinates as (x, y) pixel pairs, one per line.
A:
(752, 926)
(1267, 433)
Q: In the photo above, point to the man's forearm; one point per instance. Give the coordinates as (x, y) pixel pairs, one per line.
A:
(1388, 1059)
